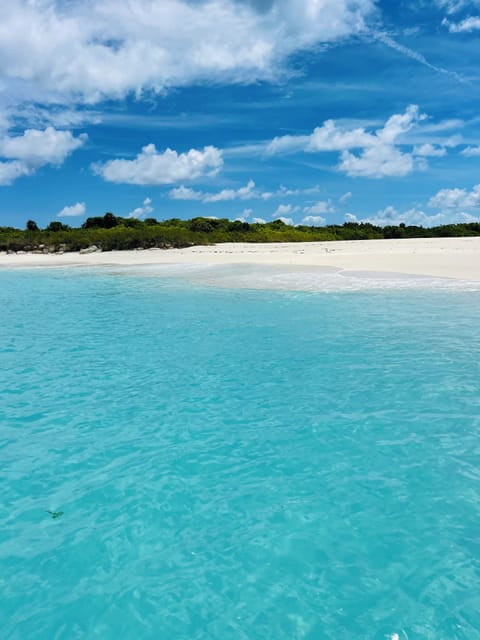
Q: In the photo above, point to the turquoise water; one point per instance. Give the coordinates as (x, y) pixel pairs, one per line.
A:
(230, 464)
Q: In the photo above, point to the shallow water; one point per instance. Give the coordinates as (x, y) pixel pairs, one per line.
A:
(237, 464)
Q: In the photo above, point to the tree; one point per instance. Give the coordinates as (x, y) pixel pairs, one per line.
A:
(132, 223)
(32, 225)
(57, 226)
(203, 225)
(96, 222)
(109, 220)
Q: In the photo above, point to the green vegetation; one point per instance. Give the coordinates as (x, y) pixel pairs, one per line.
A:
(110, 232)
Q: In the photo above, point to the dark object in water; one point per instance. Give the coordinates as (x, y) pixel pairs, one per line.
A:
(55, 514)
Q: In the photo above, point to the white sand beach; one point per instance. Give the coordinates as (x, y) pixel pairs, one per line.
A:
(457, 258)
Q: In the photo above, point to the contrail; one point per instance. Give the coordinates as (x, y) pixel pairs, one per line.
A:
(414, 55)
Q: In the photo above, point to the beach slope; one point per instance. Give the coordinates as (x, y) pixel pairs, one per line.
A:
(435, 257)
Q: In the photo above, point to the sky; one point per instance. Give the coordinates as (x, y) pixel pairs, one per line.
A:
(310, 111)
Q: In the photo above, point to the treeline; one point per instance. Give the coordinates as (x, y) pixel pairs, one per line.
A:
(110, 232)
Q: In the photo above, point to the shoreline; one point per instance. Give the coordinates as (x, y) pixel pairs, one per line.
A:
(454, 258)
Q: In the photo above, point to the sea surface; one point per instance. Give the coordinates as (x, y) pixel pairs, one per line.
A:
(189, 462)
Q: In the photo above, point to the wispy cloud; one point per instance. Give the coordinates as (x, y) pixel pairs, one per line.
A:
(247, 192)
(412, 54)
(464, 26)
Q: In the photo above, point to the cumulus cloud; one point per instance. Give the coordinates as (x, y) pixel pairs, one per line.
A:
(377, 162)
(470, 152)
(144, 210)
(152, 167)
(185, 193)
(378, 154)
(258, 221)
(287, 221)
(97, 49)
(456, 198)
(429, 150)
(37, 148)
(322, 206)
(10, 171)
(34, 149)
(77, 209)
(391, 216)
(246, 213)
(284, 210)
(313, 221)
(244, 193)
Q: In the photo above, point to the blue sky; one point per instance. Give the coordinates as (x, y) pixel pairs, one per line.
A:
(313, 111)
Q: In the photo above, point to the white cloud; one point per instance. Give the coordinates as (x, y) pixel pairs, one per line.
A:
(67, 52)
(37, 148)
(378, 157)
(142, 211)
(345, 197)
(289, 144)
(350, 217)
(246, 213)
(34, 149)
(429, 150)
(244, 193)
(456, 198)
(453, 6)
(412, 54)
(322, 206)
(185, 193)
(470, 152)
(313, 221)
(287, 221)
(258, 221)
(464, 26)
(329, 138)
(377, 162)
(284, 210)
(77, 209)
(151, 167)
(283, 192)
(10, 171)
(391, 216)
(40, 117)
(248, 192)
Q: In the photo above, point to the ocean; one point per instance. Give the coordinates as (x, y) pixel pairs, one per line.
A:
(183, 461)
